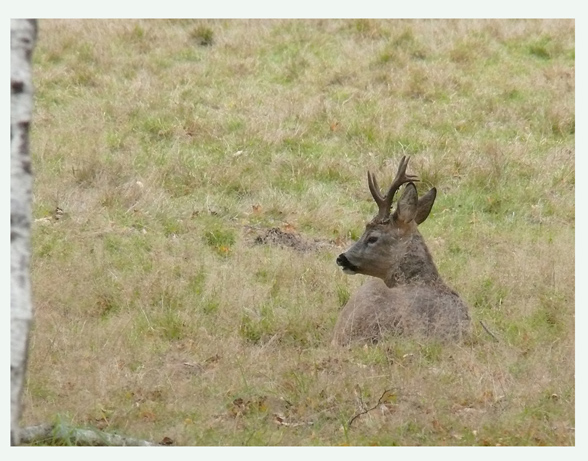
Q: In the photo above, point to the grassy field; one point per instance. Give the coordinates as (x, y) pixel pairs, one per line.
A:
(195, 181)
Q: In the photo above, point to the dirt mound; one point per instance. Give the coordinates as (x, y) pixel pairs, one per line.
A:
(277, 237)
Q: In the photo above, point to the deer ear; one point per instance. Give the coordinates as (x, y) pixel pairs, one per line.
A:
(424, 205)
(406, 210)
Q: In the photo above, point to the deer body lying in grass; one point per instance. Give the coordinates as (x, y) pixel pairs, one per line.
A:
(406, 294)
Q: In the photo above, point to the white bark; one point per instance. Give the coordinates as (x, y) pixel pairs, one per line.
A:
(23, 34)
(65, 435)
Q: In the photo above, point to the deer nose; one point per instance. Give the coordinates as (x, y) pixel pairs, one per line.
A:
(347, 266)
(345, 263)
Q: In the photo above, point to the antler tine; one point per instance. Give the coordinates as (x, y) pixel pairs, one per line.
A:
(377, 195)
(385, 202)
(399, 180)
(374, 188)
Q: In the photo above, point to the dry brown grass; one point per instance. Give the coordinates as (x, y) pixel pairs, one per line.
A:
(170, 145)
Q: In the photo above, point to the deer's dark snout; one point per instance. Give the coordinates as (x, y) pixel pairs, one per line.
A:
(342, 260)
(345, 263)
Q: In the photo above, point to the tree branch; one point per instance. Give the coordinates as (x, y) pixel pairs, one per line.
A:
(59, 434)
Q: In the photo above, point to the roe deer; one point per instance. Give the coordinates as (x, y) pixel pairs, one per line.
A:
(406, 295)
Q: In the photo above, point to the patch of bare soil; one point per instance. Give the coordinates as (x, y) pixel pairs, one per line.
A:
(293, 240)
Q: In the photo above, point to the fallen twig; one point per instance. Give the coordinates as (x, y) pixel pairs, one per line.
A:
(369, 409)
(281, 420)
(488, 331)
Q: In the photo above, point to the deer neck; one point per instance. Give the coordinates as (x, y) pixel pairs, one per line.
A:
(416, 266)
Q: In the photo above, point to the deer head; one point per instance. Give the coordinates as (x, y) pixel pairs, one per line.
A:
(391, 248)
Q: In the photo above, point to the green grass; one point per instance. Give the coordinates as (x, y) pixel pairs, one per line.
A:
(171, 144)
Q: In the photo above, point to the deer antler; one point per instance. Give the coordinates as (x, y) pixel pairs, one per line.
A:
(385, 203)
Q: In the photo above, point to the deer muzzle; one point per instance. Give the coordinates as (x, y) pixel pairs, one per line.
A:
(346, 265)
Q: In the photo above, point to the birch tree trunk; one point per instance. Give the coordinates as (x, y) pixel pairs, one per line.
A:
(23, 34)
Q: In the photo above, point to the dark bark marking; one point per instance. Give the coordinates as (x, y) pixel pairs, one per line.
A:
(33, 23)
(18, 221)
(29, 49)
(16, 86)
(24, 135)
(27, 166)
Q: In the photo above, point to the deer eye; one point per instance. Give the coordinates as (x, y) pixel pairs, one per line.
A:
(372, 239)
